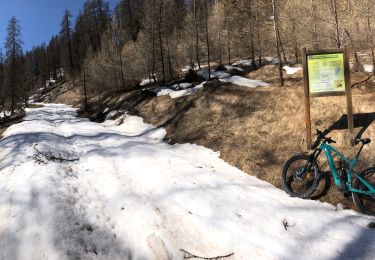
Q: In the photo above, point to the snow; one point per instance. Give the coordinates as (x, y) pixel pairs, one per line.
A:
(50, 82)
(186, 89)
(111, 114)
(233, 69)
(362, 54)
(162, 91)
(182, 93)
(237, 80)
(132, 196)
(241, 81)
(271, 60)
(291, 70)
(187, 68)
(5, 114)
(146, 81)
(223, 76)
(214, 74)
(368, 68)
(181, 86)
(244, 63)
(249, 62)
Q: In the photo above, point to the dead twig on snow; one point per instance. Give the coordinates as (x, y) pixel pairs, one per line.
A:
(188, 255)
(286, 224)
(45, 157)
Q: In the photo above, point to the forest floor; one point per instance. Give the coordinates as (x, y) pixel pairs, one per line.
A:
(254, 129)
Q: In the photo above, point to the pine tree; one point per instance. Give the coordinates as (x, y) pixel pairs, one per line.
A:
(66, 39)
(2, 87)
(13, 47)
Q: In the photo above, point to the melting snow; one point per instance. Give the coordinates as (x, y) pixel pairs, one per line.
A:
(245, 63)
(186, 90)
(368, 68)
(132, 196)
(214, 74)
(291, 70)
(241, 81)
(146, 82)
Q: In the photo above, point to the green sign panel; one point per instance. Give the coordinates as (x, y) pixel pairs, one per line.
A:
(326, 73)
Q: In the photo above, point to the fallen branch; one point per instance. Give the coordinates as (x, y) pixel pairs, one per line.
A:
(45, 157)
(188, 255)
(361, 82)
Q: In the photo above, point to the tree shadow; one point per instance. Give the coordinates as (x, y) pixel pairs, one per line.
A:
(78, 237)
(359, 248)
(362, 120)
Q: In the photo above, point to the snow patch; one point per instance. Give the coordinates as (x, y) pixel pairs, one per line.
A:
(181, 86)
(291, 70)
(185, 91)
(145, 82)
(214, 74)
(244, 63)
(241, 81)
(111, 114)
(369, 68)
(232, 69)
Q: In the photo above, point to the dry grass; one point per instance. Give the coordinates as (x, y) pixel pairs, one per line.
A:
(258, 130)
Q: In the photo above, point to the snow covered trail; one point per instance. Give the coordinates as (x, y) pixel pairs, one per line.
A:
(132, 196)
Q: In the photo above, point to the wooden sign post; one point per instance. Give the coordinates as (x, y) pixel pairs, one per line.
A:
(326, 73)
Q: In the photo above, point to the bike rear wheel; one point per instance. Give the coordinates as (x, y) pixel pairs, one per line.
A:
(300, 176)
(366, 204)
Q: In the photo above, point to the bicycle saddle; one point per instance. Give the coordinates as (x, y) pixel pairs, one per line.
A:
(364, 141)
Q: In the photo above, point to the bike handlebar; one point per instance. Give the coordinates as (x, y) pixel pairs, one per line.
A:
(323, 137)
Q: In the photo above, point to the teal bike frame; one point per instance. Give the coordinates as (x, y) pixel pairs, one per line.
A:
(328, 152)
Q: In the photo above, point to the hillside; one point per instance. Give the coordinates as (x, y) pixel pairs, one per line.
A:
(254, 129)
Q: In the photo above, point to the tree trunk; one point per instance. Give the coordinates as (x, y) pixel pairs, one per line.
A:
(281, 45)
(13, 69)
(161, 45)
(295, 42)
(258, 36)
(219, 37)
(119, 56)
(208, 42)
(335, 14)
(153, 45)
(167, 44)
(252, 48)
(196, 35)
(357, 63)
(370, 37)
(315, 32)
(228, 42)
(133, 34)
(275, 26)
(84, 87)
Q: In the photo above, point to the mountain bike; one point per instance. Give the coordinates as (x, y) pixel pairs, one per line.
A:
(301, 174)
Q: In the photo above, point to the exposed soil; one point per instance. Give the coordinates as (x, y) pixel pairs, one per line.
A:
(256, 130)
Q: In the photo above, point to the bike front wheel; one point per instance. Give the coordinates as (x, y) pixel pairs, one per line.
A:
(366, 204)
(300, 176)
